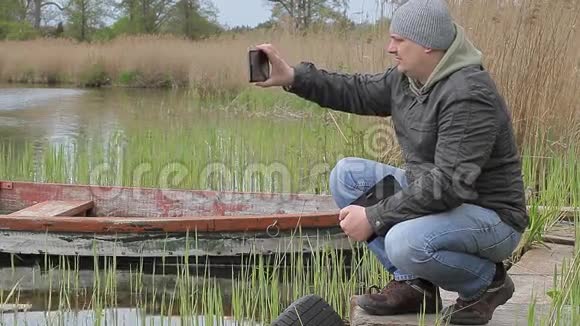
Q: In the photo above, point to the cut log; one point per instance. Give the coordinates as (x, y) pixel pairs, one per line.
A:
(56, 208)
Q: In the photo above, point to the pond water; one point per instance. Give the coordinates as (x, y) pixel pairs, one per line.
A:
(68, 297)
(134, 137)
(65, 134)
(118, 316)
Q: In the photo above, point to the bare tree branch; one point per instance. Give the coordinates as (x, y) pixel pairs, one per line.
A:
(49, 3)
(285, 5)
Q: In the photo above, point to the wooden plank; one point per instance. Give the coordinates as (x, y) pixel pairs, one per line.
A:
(542, 260)
(510, 314)
(56, 208)
(569, 241)
(156, 202)
(532, 275)
(561, 233)
(7, 307)
(33, 280)
(565, 213)
(114, 225)
(170, 245)
(5, 185)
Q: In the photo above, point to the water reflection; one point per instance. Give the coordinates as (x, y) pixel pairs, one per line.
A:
(65, 297)
(79, 131)
(120, 316)
(28, 98)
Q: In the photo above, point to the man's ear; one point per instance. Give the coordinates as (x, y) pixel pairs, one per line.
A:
(428, 50)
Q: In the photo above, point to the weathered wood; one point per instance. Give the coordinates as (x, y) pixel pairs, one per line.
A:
(34, 280)
(155, 202)
(114, 225)
(569, 241)
(157, 244)
(137, 201)
(561, 233)
(5, 185)
(532, 275)
(56, 208)
(565, 213)
(14, 307)
(541, 260)
(140, 216)
(509, 314)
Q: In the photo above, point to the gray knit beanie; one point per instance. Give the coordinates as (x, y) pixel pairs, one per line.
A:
(426, 22)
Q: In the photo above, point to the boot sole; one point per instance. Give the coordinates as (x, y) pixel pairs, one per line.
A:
(508, 289)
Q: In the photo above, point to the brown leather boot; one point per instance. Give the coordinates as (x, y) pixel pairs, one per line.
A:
(480, 311)
(402, 297)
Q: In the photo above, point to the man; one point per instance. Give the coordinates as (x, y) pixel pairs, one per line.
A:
(460, 210)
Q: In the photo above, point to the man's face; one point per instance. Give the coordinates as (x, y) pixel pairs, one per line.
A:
(409, 56)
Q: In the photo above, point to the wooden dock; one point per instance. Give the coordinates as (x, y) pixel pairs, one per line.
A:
(533, 276)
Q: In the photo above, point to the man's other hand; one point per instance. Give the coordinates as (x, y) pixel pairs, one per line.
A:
(354, 223)
(282, 74)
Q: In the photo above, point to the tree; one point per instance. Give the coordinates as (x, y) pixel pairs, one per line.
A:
(303, 13)
(391, 5)
(12, 10)
(147, 16)
(37, 7)
(84, 17)
(192, 19)
(59, 30)
(13, 23)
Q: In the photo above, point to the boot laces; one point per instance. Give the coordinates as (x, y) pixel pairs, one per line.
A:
(391, 285)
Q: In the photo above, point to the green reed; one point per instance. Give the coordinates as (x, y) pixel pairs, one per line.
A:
(267, 157)
(260, 291)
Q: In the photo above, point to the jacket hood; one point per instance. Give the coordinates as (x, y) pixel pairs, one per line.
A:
(461, 53)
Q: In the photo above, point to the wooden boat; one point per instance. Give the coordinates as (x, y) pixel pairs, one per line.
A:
(86, 220)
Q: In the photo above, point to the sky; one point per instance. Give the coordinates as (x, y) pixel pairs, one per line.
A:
(252, 12)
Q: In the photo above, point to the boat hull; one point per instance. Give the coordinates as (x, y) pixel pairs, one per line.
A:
(157, 244)
(150, 222)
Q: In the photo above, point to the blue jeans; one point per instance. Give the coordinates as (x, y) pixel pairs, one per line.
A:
(455, 250)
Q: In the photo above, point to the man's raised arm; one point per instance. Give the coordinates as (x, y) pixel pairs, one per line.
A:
(363, 94)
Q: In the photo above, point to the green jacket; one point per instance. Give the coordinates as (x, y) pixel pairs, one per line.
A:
(455, 133)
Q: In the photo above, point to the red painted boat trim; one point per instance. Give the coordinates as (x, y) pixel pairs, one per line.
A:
(112, 225)
(157, 202)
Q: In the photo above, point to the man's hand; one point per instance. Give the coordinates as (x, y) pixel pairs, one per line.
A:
(354, 223)
(282, 74)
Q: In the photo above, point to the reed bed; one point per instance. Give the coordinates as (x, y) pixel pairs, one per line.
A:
(531, 47)
(263, 158)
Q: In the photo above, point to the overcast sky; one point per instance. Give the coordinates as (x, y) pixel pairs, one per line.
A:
(252, 12)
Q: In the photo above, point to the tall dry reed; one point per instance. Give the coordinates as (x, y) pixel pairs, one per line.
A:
(531, 47)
